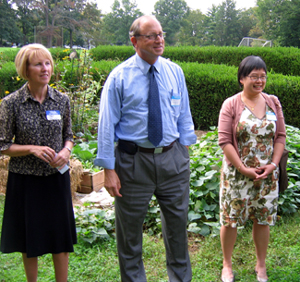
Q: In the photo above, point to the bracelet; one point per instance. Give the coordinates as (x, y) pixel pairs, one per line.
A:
(276, 166)
(68, 149)
(239, 167)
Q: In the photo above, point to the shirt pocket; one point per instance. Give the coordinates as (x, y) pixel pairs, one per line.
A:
(175, 101)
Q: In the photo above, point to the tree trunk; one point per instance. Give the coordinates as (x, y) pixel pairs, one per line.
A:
(71, 38)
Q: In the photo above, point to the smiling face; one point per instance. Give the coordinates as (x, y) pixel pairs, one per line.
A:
(39, 71)
(250, 85)
(149, 50)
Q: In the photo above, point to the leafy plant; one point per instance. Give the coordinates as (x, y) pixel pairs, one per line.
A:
(74, 77)
(85, 150)
(205, 164)
(289, 201)
(94, 224)
(152, 222)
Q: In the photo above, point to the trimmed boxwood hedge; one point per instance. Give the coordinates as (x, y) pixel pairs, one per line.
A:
(8, 79)
(208, 84)
(284, 60)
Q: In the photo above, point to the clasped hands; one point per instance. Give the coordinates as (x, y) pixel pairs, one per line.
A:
(54, 159)
(258, 173)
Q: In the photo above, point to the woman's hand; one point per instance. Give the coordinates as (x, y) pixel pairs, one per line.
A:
(258, 173)
(61, 159)
(264, 171)
(45, 153)
(250, 172)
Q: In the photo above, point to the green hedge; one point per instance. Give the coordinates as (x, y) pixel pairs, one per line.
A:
(284, 60)
(61, 53)
(208, 85)
(8, 54)
(9, 80)
(99, 70)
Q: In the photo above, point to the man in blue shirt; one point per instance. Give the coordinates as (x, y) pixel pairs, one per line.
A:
(136, 169)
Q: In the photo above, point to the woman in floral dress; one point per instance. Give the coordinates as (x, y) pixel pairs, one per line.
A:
(252, 136)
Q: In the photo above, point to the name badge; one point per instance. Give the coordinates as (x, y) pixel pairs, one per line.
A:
(175, 101)
(53, 115)
(271, 116)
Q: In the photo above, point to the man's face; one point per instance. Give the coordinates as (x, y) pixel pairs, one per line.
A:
(149, 49)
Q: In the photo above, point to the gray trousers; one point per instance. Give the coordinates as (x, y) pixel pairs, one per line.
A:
(165, 175)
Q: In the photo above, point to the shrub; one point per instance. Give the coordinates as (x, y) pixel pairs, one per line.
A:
(284, 60)
(107, 52)
(9, 79)
(8, 55)
(209, 85)
(205, 163)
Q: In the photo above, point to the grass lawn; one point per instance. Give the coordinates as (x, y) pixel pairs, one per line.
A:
(98, 262)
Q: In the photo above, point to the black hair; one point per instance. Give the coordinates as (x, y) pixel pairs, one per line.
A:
(248, 64)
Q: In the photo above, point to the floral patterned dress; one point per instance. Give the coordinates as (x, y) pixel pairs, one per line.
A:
(241, 198)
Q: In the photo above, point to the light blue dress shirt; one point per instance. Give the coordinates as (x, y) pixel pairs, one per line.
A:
(124, 107)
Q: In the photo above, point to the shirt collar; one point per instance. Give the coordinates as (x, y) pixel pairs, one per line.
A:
(26, 93)
(144, 66)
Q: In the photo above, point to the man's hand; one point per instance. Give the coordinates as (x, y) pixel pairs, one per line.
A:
(112, 182)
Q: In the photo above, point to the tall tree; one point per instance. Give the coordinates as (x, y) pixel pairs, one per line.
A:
(228, 30)
(71, 17)
(118, 22)
(27, 18)
(50, 9)
(192, 31)
(289, 34)
(92, 31)
(268, 17)
(210, 24)
(280, 21)
(171, 14)
(8, 28)
(248, 23)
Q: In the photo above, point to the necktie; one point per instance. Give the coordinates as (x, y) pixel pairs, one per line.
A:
(154, 115)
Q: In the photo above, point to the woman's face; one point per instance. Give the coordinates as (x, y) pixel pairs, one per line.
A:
(39, 71)
(255, 82)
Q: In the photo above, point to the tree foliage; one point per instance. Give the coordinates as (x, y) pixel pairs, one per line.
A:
(171, 14)
(8, 28)
(192, 31)
(280, 21)
(81, 22)
(118, 22)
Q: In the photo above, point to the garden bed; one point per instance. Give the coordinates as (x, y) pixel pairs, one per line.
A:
(91, 181)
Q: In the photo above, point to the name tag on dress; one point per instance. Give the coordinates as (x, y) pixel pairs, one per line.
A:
(271, 116)
(53, 115)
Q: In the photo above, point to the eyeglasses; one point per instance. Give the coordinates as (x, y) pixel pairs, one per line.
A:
(256, 78)
(153, 37)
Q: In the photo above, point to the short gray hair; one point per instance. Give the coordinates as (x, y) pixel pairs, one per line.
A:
(136, 25)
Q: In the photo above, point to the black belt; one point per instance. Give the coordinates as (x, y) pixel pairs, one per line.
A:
(131, 148)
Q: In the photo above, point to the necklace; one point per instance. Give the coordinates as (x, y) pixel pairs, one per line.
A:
(251, 108)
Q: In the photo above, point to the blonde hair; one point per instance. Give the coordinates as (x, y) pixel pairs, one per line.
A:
(28, 52)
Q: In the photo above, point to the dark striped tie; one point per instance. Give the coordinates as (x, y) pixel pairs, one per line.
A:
(154, 115)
